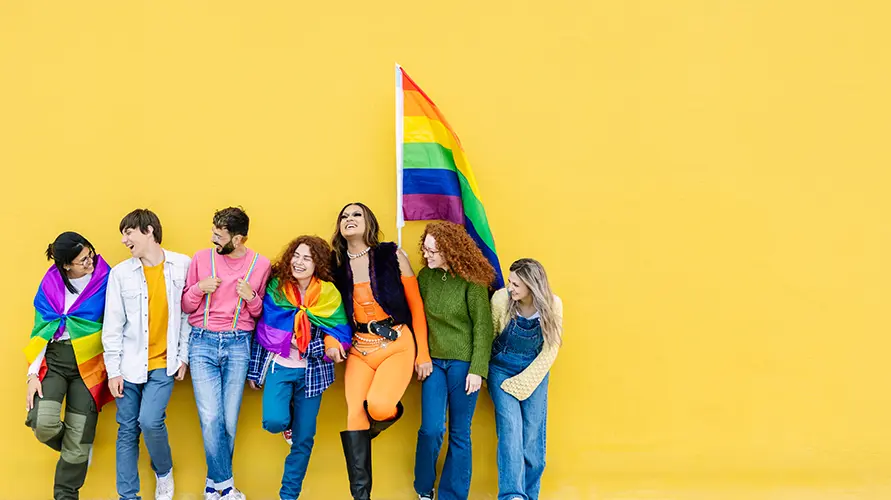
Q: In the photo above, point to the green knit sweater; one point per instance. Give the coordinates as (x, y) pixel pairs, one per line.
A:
(459, 319)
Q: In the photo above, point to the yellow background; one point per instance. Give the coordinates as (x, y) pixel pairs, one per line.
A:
(705, 181)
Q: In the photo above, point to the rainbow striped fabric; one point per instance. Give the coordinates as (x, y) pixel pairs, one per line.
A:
(434, 179)
(83, 322)
(285, 319)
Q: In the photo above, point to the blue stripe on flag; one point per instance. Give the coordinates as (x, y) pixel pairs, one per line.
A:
(490, 255)
(430, 181)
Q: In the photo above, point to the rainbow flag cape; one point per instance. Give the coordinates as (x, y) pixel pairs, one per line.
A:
(83, 324)
(434, 179)
(284, 319)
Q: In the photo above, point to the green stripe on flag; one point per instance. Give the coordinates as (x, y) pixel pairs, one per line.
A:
(44, 329)
(474, 210)
(79, 327)
(427, 155)
(433, 155)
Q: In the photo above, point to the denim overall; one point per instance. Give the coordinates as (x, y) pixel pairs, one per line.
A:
(520, 425)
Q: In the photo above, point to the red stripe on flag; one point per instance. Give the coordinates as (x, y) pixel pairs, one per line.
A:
(409, 84)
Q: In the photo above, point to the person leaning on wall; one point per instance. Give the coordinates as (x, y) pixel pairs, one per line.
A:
(303, 331)
(454, 285)
(70, 303)
(528, 320)
(146, 341)
(224, 298)
(382, 301)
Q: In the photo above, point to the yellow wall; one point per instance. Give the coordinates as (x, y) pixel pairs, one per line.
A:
(705, 181)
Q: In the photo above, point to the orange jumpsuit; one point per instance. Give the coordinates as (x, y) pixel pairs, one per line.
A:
(381, 375)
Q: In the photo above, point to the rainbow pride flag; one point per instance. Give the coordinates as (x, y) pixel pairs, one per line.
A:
(284, 319)
(83, 322)
(434, 179)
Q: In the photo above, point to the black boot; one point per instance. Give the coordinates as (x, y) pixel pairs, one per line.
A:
(357, 451)
(378, 426)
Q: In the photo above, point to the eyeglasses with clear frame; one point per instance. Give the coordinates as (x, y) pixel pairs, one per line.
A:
(86, 260)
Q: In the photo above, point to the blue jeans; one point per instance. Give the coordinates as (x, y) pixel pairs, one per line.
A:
(444, 390)
(143, 409)
(521, 428)
(286, 389)
(219, 364)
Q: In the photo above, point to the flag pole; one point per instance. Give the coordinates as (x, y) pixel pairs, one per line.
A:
(400, 217)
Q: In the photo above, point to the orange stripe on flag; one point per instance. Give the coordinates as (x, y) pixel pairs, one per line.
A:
(416, 105)
(92, 370)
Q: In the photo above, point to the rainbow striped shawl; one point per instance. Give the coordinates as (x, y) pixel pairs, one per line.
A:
(284, 319)
(83, 324)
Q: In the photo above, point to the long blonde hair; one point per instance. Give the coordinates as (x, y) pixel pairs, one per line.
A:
(533, 275)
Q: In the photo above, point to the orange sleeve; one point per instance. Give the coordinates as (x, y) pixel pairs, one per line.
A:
(418, 317)
(331, 342)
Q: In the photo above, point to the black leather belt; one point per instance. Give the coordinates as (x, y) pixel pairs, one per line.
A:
(382, 328)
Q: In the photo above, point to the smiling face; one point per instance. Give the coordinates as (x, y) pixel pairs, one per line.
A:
(434, 257)
(352, 221)
(302, 265)
(223, 241)
(82, 265)
(516, 288)
(137, 242)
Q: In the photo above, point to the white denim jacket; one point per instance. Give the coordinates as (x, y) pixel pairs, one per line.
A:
(125, 334)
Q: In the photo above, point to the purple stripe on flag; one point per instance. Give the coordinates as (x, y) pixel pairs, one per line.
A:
(54, 289)
(273, 339)
(100, 271)
(433, 207)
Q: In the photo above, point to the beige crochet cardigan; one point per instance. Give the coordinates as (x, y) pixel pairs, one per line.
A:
(522, 385)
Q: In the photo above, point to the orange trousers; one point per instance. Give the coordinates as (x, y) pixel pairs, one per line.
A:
(380, 378)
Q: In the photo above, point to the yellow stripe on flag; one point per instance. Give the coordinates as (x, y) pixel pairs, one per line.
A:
(423, 130)
(87, 347)
(35, 345)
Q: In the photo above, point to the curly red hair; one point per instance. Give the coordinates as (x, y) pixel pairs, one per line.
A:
(321, 257)
(460, 252)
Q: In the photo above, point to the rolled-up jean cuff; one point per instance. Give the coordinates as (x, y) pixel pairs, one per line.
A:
(221, 485)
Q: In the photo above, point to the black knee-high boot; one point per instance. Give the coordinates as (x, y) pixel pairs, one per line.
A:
(357, 452)
(378, 426)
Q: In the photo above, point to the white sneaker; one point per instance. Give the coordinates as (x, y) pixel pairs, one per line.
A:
(234, 495)
(211, 496)
(425, 497)
(164, 487)
(287, 436)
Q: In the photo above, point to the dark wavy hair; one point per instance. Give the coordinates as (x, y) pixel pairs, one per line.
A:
(232, 219)
(321, 257)
(460, 252)
(372, 232)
